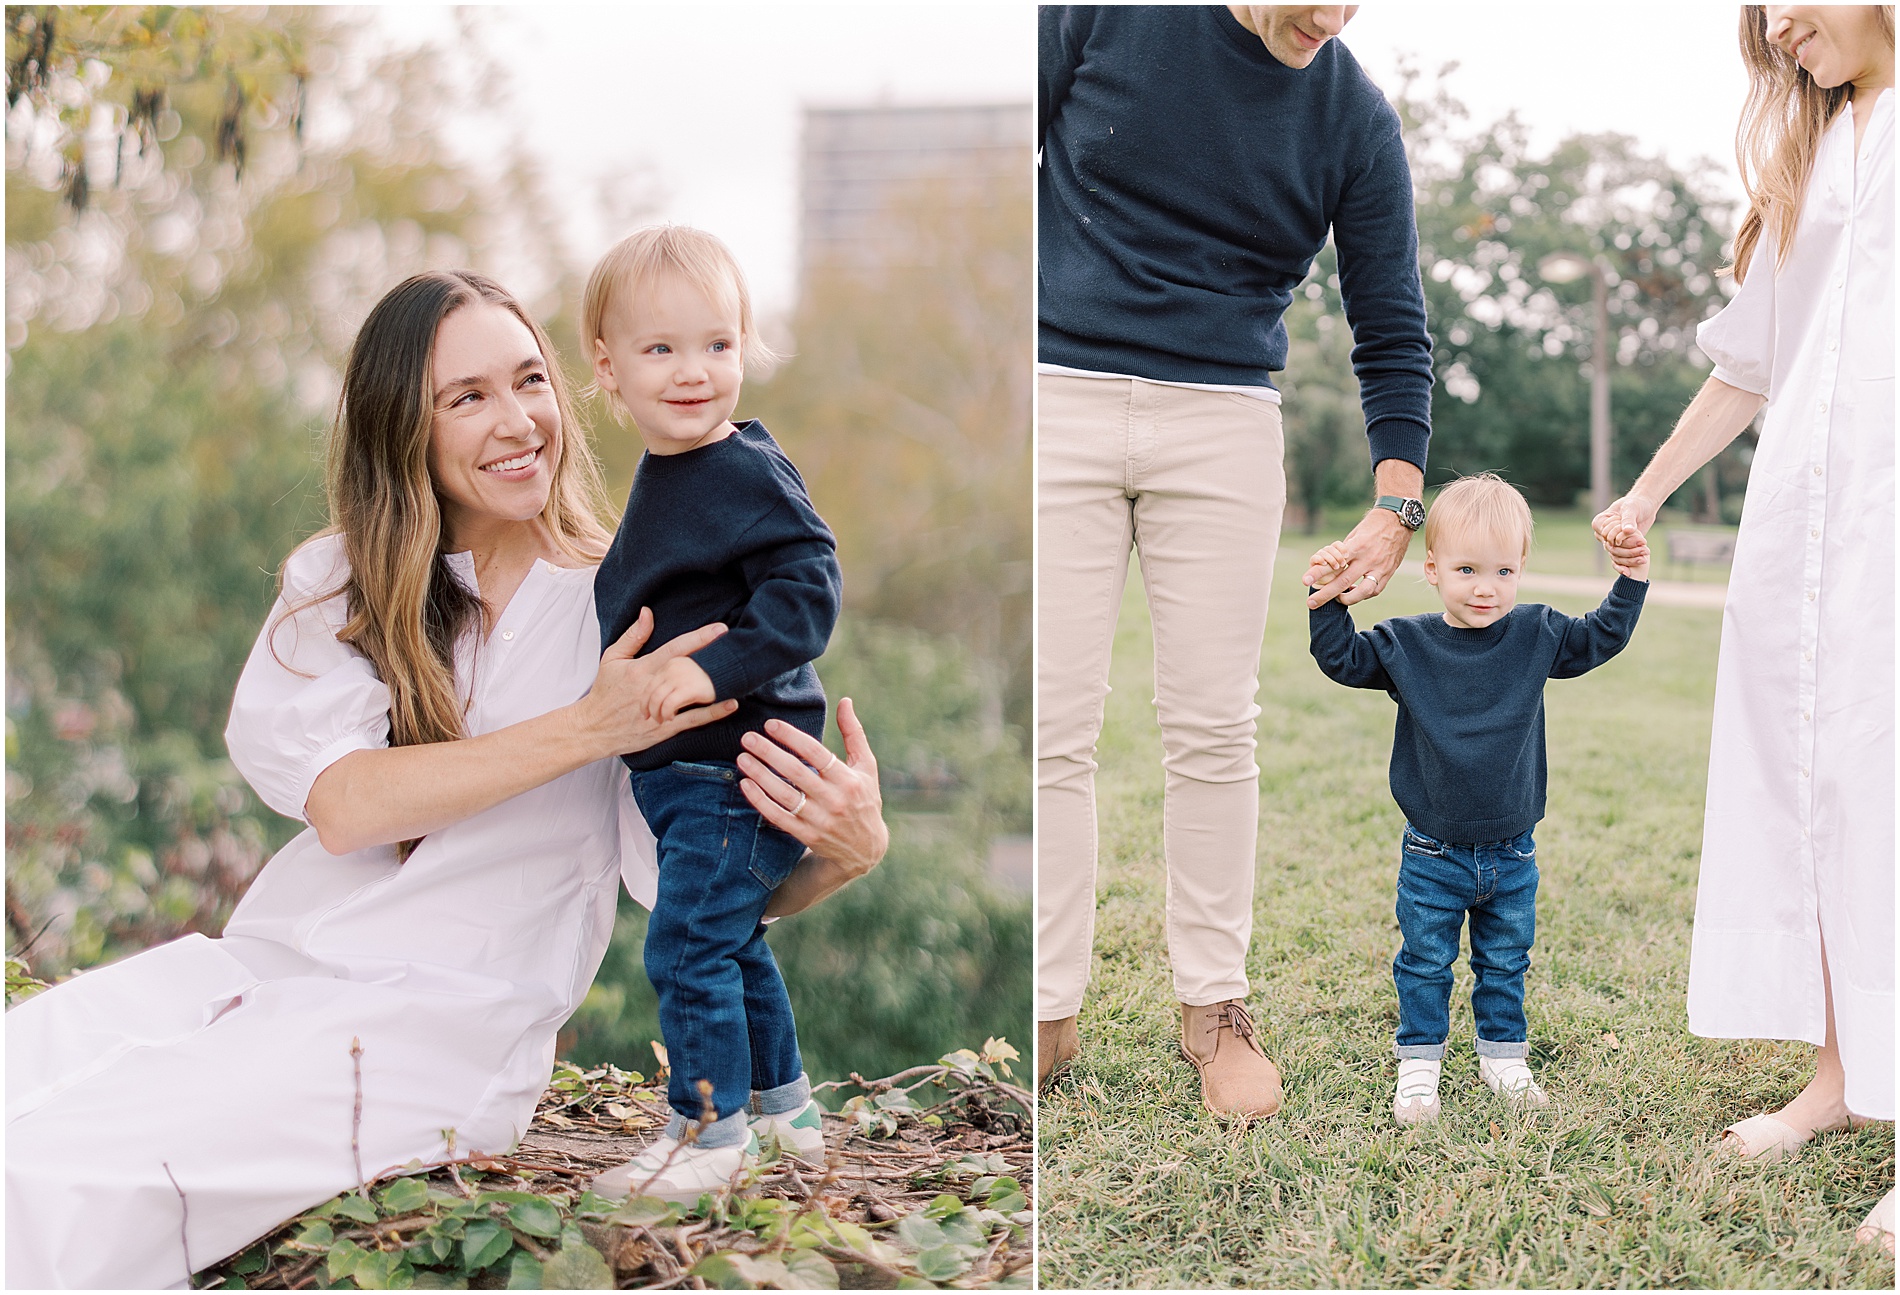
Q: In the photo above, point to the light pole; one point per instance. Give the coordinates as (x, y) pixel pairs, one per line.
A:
(1568, 267)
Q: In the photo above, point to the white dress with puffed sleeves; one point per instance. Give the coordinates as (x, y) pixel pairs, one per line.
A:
(220, 1071)
(1798, 842)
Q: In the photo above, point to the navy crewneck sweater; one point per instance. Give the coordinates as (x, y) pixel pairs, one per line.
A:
(727, 533)
(1468, 750)
(1188, 180)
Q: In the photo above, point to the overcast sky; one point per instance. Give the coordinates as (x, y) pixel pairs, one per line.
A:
(700, 103)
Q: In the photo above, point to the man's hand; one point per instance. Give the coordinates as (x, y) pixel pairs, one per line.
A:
(680, 683)
(1374, 549)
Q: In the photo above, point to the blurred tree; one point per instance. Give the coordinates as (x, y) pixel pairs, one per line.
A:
(104, 85)
(1511, 394)
(1327, 462)
(172, 350)
(906, 406)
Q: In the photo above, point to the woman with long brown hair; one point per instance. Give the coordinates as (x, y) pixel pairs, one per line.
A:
(1794, 935)
(430, 697)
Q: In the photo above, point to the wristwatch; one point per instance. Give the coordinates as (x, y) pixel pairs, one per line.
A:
(1411, 511)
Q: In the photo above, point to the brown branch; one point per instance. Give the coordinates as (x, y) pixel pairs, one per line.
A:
(356, 1118)
(184, 1223)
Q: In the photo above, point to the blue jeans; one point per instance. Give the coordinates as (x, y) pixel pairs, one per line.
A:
(723, 1007)
(1439, 882)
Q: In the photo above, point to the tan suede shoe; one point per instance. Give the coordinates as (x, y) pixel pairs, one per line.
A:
(1236, 1077)
(1057, 1042)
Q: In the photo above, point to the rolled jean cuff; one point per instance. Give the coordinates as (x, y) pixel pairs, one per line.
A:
(729, 1132)
(786, 1099)
(1419, 1051)
(1501, 1051)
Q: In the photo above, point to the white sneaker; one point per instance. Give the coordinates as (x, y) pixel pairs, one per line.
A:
(1415, 1100)
(676, 1171)
(1510, 1078)
(800, 1132)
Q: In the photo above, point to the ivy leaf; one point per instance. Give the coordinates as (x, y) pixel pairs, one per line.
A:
(943, 1206)
(644, 1212)
(537, 1217)
(577, 1266)
(404, 1196)
(919, 1232)
(916, 1284)
(341, 1259)
(811, 1271)
(1006, 1196)
(941, 1263)
(721, 1271)
(251, 1261)
(354, 1207)
(524, 1273)
(484, 1242)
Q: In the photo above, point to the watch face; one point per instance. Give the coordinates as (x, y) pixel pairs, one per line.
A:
(1412, 513)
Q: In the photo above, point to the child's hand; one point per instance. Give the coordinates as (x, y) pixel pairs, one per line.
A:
(1629, 551)
(1326, 565)
(679, 684)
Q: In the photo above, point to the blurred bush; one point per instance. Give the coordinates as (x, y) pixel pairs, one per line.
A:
(925, 950)
(201, 207)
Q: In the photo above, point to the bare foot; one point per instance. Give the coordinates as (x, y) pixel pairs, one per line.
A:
(1878, 1229)
(1819, 1108)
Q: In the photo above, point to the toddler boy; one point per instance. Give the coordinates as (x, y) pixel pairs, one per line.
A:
(718, 527)
(1468, 769)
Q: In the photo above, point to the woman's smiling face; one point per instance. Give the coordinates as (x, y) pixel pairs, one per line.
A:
(495, 431)
(1836, 44)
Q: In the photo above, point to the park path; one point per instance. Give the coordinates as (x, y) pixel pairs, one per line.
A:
(1667, 593)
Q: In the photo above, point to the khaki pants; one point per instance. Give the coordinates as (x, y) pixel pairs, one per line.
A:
(1193, 481)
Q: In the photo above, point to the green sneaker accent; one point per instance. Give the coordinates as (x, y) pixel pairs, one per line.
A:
(809, 1118)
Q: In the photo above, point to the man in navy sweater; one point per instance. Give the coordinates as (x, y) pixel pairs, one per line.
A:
(1194, 160)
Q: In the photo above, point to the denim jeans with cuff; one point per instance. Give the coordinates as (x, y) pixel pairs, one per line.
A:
(1439, 883)
(723, 1008)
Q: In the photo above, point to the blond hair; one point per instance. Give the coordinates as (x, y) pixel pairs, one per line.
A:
(1780, 133)
(640, 258)
(406, 607)
(1485, 506)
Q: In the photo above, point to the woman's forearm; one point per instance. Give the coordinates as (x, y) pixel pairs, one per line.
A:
(376, 797)
(1716, 416)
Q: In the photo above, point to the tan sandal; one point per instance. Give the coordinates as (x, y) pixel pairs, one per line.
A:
(1762, 1137)
(1877, 1228)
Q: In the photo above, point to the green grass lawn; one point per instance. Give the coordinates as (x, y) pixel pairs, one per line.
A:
(1614, 1186)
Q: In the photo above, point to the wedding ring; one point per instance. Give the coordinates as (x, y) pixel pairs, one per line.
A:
(827, 769)
(802, 798)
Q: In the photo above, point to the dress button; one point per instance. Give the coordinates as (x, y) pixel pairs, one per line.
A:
(1810, 595)
(1817, 469)
(1808, 655)
(1814, 533)
(1824, 406)
(509, 634)
(1804, 773)
(1807, 714)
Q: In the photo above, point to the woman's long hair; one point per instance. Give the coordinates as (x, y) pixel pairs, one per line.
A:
(1782, 124)
(406, 607)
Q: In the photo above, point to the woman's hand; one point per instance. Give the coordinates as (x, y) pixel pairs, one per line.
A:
(834, 806)
(1621, 529)
(618, 714)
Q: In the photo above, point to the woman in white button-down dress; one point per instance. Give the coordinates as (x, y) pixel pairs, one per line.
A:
(430, 696)
(1794, 935)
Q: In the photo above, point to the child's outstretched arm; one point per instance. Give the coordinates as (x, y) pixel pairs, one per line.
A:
(1589, 641)
(1344, 655)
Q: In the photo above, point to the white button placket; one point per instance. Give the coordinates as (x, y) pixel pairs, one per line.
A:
(1820, 423)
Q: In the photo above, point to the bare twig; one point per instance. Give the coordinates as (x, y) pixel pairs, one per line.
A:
(356, 1117)
(184, 1223)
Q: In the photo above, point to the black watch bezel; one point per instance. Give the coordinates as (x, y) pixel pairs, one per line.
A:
(1411, 512)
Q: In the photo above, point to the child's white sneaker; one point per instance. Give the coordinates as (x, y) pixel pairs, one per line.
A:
(676, 1171)
(1510, 1078)
(1415, 1100)
(801, 1132)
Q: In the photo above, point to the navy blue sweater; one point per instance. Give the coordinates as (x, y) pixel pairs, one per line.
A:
(1468, 751)
(1188, 180)
(727, 533)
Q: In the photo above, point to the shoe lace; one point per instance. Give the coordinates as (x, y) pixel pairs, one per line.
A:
(1232, 1016)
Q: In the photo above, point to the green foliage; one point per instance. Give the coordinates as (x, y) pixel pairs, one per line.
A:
(906, 408)
(461, 1226)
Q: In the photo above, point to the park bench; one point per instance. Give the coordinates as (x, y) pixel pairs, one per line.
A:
(1701, 547)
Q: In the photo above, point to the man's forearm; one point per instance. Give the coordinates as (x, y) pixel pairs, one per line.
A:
(1398, 477)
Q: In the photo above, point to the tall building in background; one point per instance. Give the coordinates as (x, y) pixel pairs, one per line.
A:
(855, 161)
